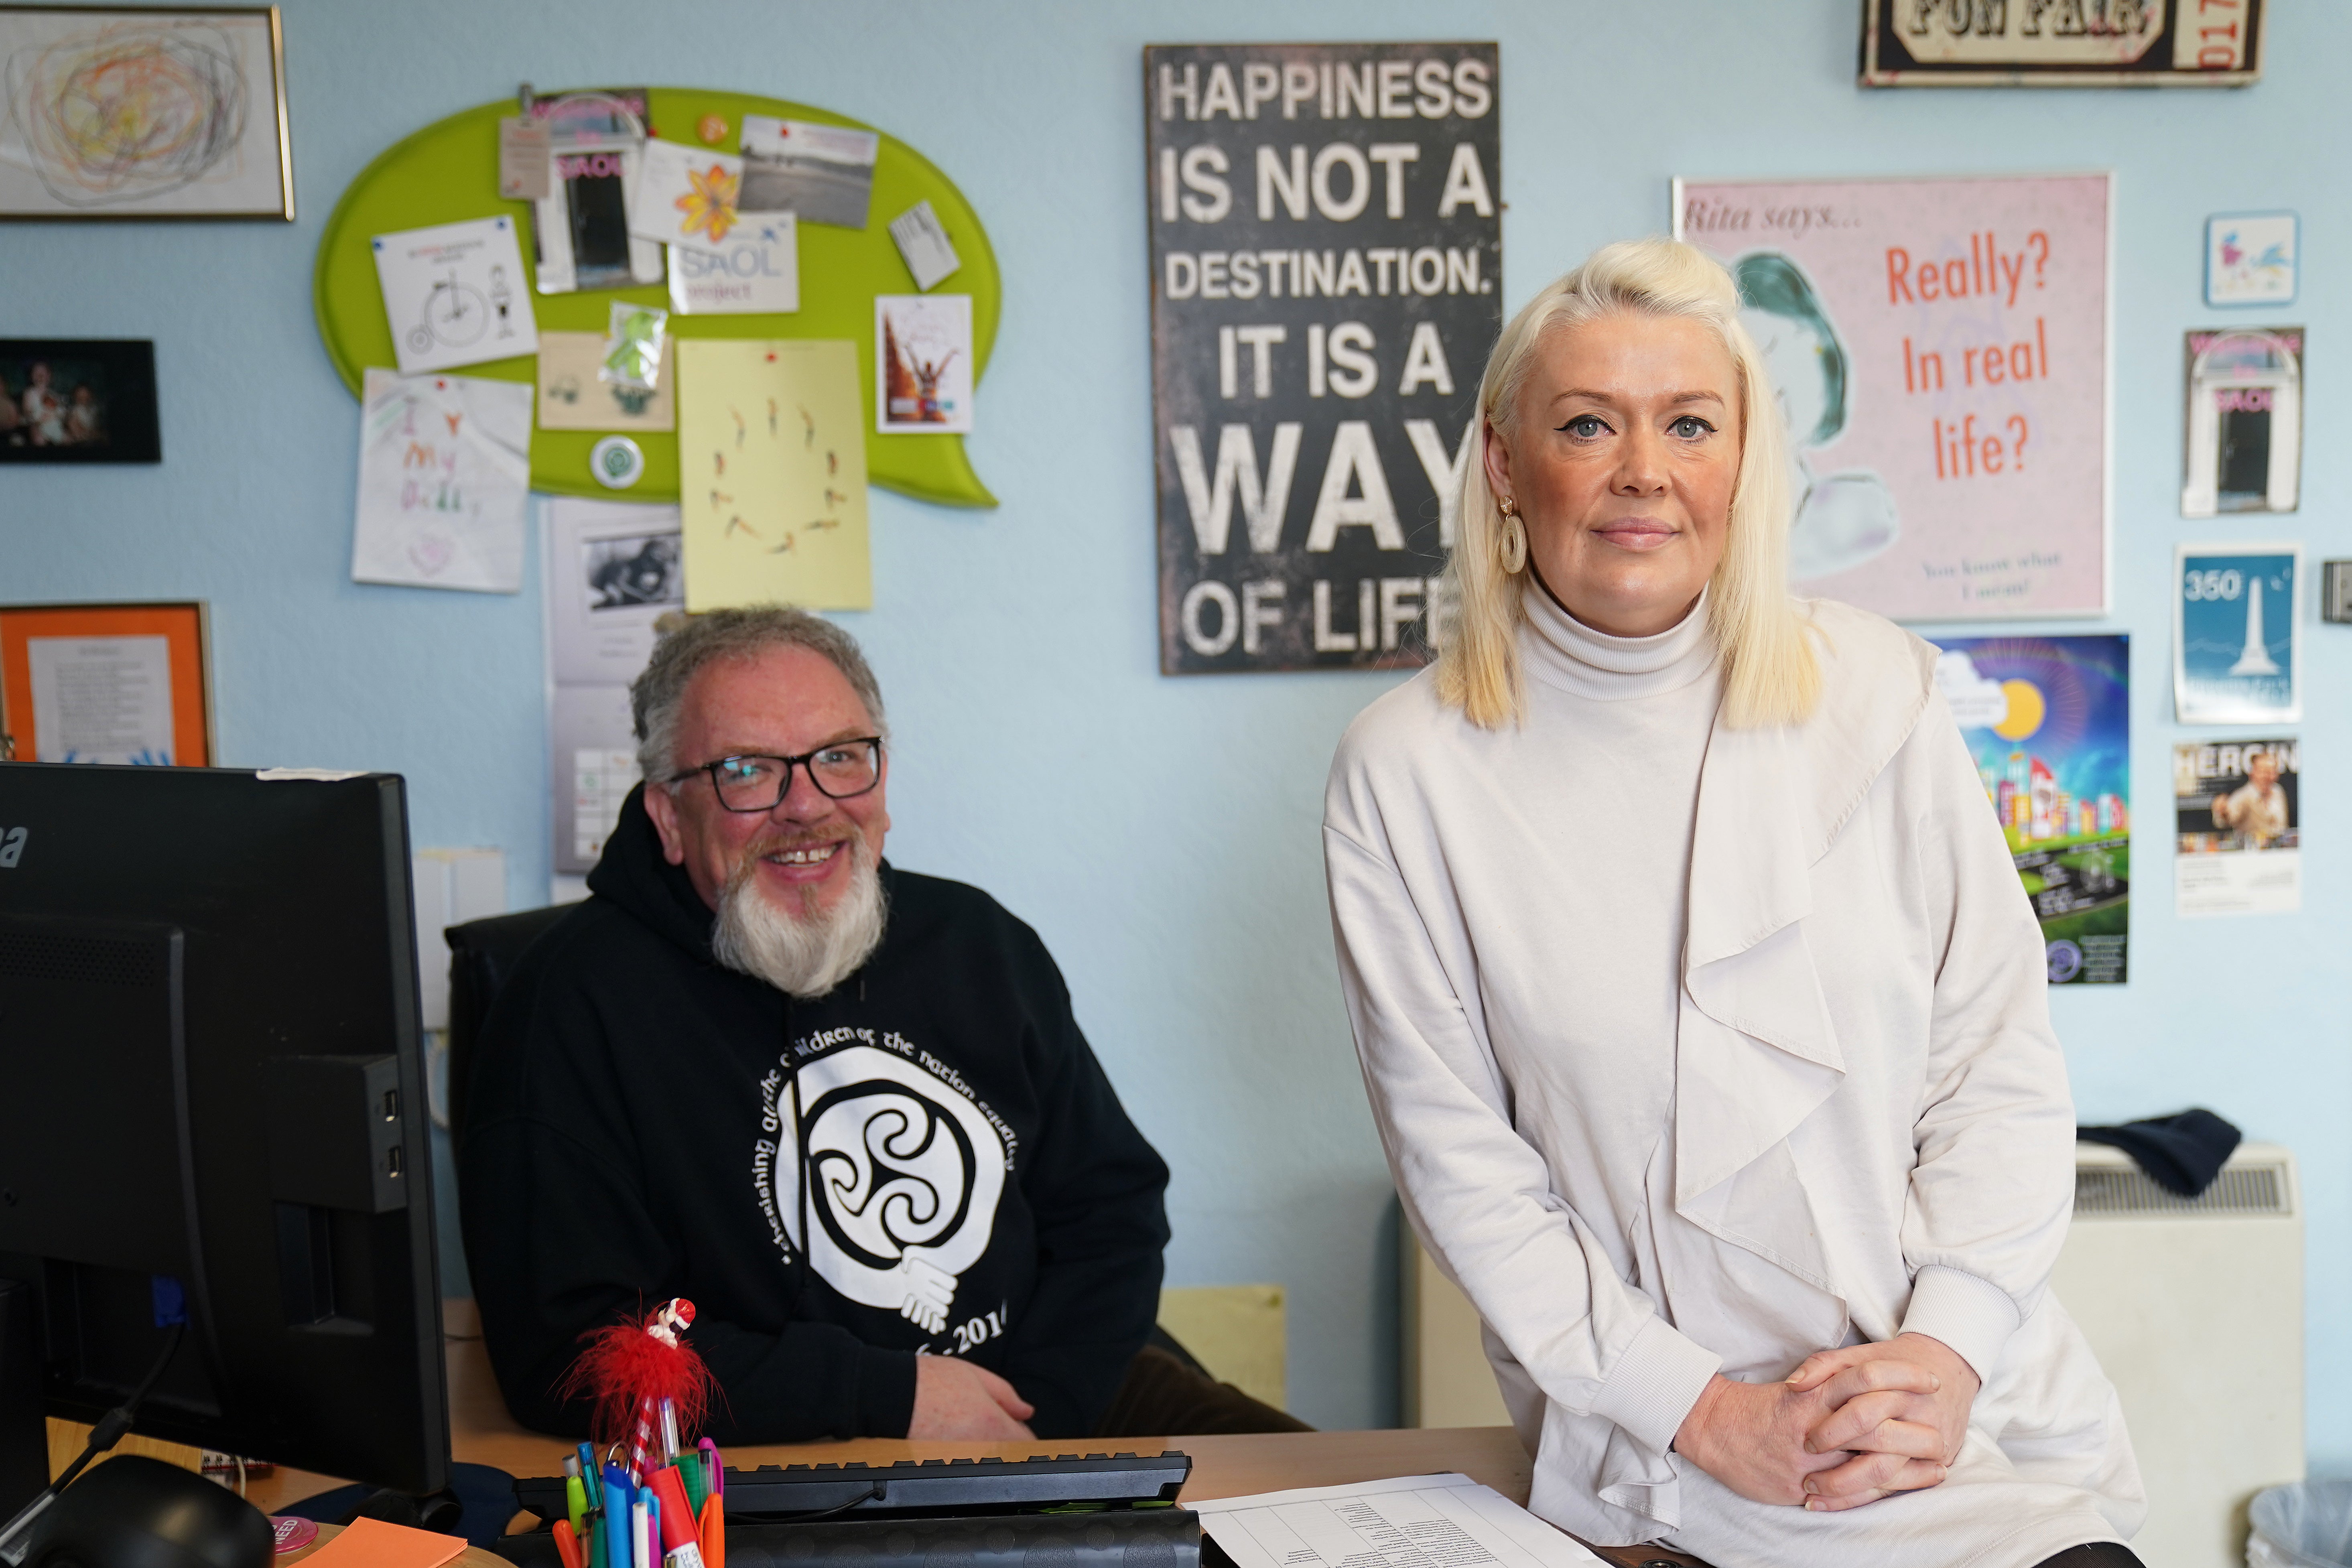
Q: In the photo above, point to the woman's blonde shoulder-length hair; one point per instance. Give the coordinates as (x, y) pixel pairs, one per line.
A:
(1770, 675)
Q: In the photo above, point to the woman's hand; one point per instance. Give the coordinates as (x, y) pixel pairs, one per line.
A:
(1900, 1410)
(1751, 1436)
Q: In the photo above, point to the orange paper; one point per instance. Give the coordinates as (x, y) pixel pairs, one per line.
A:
(371, 1544)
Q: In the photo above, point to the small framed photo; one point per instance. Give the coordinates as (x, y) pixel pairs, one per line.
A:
(2237, 651)
(78, 400)
(134, 111)
(2253, 259)
(107, 683)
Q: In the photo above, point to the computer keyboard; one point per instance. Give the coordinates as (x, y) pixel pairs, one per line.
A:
(927, 1486)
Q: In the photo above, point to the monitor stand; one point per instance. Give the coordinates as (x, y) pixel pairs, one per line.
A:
(24, 1428)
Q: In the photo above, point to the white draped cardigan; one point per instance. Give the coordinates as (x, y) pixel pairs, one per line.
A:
(1866, 1126)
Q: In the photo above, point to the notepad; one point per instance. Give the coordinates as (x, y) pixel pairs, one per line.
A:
(371, 1544)
(1410, 1522)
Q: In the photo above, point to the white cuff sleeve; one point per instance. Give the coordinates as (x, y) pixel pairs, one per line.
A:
(1654, 1384)
(1974, 1317)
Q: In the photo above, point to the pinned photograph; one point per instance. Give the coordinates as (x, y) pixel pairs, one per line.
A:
(2244, 446)
(922, 351)
(823, 173)
(572, 396)
(2236, 658)
(756, 272)
(2253, 259)
(686, 195)
(2237, 808)
(456, 294)
(632, 571)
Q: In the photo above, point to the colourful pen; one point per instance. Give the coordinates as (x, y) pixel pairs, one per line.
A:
(567, 1544)
(714, 1532)
(575, 1494)
(713, 1483)
(613, 1530)
(641, 1532)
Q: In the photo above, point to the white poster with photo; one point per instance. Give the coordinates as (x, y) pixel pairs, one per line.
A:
(444, 479)
(2237, 808)
(456, 294)
(922, 349)
(612, 570)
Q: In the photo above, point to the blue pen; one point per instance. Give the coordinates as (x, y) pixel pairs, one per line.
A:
(614, 1529)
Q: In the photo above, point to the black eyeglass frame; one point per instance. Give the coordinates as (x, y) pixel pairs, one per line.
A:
(710, 771)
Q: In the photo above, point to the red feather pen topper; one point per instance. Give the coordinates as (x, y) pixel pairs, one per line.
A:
(638, 1374)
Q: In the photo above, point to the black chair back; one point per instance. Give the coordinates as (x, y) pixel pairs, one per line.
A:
(482, 957)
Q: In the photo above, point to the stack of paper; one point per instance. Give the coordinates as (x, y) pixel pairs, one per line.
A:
(1410, 1522)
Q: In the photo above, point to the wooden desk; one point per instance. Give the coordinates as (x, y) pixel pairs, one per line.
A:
(482, 1433)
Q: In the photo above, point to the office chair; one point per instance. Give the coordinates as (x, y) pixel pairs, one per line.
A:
(482, 956)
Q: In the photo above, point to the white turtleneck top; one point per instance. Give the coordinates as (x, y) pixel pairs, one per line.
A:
(1695, 1048)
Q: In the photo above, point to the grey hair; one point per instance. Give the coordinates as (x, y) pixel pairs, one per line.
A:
(690, 642)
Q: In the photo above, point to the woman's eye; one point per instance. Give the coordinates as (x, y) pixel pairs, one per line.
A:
(1690, 427)
(1586, 427)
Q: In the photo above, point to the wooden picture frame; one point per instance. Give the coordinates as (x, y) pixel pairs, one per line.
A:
(79, 400)
(2100, 43)
(203, 89)
(78, 683)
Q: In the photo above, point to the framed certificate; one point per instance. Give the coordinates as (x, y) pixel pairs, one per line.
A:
(106, 683)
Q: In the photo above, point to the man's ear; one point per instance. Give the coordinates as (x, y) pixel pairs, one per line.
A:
(662, 807)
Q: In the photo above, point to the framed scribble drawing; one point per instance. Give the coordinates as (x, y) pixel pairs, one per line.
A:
(136, 112)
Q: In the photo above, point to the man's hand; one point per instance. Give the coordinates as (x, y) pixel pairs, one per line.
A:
(956, 1399)
(1751, 1437)
(1900, 1409)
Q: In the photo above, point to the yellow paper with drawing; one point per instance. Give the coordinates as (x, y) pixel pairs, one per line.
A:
(771, 458)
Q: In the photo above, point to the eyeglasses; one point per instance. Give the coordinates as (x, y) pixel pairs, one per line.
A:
(841, 771)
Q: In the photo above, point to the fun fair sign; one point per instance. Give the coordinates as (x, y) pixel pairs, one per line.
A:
(1940, 349)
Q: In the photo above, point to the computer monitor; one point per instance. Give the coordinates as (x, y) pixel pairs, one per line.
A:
(211, 1091)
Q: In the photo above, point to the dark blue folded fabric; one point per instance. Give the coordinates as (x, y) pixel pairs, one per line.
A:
(2180, 1153)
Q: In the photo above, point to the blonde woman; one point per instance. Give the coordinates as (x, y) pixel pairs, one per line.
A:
(1702, 1015)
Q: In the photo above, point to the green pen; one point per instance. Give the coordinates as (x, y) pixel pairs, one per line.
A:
(688, 1466)
(575, 1497)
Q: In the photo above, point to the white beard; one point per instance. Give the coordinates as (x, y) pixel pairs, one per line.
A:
(803, 953)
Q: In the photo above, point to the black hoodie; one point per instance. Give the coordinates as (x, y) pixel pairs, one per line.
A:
(979, 1189)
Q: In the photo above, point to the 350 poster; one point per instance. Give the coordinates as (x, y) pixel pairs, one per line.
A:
(1326, 283)
(1941, 348)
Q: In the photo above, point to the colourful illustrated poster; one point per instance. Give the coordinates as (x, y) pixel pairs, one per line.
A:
(923, 347)
(1941, 349)
(445, 478)
(2238, 808)
(455, 294)
(772, 453)
(2236, 658)
(2048, 722)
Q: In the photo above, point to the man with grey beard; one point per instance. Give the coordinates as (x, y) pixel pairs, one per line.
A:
(842, 1108)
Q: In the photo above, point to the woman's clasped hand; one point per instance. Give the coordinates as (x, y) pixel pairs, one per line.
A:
(1848, 1428)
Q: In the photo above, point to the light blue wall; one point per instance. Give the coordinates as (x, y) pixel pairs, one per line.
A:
(1161, 834)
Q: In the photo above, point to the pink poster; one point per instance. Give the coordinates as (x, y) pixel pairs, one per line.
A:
(1940, 349)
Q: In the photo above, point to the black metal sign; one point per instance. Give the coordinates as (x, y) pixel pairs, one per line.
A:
(1326, 230)
(2061, 43)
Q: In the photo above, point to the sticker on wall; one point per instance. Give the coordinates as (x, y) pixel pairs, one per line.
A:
(2236, 658)
(2243, 450)
(2238, 814)
(1940, 347)
(2253, 259)
(454, 295)
(2048, 720)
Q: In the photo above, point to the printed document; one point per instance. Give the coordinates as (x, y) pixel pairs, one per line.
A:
(1410, 1522)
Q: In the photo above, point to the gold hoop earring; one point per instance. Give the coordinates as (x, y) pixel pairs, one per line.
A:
(1515, 538)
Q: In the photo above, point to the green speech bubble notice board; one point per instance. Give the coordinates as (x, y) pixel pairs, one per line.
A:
(449, 172)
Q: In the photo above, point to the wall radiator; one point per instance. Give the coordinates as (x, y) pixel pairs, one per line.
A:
(2194, 1307)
